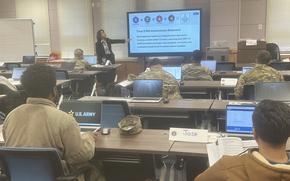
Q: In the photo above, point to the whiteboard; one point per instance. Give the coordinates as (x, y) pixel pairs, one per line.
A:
(16, 39)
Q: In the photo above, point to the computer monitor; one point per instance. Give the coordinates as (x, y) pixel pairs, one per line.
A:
(86, 113)
(210, 64)
(272, 90)
(91, 59)
(17, 73)
(239, 119)
(147, 88)
(175, 71)
(225, 66)
(28, 59)
(246, 69)
(113, 112)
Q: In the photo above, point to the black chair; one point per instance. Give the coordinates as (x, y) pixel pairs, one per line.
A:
(249, 92)
(11, 66)
(33, 164)
(225, 66)
(274, 50)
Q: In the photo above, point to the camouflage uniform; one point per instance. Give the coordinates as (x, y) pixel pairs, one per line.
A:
(195, 72)
(260, 73)
(170, 85)
(81, 64)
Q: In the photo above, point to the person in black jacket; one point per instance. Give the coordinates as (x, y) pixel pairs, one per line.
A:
(104, 47)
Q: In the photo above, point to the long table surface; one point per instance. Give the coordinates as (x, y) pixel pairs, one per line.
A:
(182, 105)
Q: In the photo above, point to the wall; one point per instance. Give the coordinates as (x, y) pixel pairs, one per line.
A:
(7, 9)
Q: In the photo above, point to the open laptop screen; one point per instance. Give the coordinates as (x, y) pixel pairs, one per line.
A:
(91, 59)
(210, 64)
(17, 73)
(113, 113)
(85, 113)
(175, 71)
(278, 91)
(147, 88)
(239, 119)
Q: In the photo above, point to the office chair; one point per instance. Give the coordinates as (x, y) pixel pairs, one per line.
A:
(61, 74)
(33, 164)
(274, 50)
(64, 91)
(249, 92)
(11, 66)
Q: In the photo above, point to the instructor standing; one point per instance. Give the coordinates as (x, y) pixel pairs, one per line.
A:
(104, 47)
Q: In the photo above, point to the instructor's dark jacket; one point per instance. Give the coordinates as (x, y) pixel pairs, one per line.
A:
(101, 53)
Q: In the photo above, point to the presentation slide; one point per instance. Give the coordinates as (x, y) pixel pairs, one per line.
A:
(174, 32)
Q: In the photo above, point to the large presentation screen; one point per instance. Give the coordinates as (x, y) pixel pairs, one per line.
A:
(157, 33)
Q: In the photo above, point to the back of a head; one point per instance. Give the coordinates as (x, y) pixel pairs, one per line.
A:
(99, 35)
(263, 57)
(79, 54)
(271, 121)
(154, 62)
(39, 81)
(197, 56)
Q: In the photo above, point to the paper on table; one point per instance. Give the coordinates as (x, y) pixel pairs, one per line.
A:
(230, 146)
(213, 153)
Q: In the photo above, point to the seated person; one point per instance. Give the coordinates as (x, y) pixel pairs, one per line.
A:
(193, 70)
(260, 73)
(170, 84)
(81, 64)
(54, 56)
(271, 123)
(38, 123)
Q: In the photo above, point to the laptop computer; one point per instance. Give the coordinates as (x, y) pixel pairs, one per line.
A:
(147, 90)
(246, 69)
(113, 112)
(210, 64)
(273, 90)
(87, 114)
(239, 120)
(28, 59)
(67, 66)
(175, 71)
(16, 75)
(91, 59)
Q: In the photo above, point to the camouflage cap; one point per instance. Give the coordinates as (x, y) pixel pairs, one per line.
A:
(130, 125)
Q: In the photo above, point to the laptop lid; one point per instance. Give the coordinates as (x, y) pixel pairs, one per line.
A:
(225, 66)
(239, 119)
(113, 112)
(147, 88)
(91, 59)
(17, 73)
(28, 59)
(272, 90)
(85, 113)
(210, 64)
(175, 71)
(246, 69)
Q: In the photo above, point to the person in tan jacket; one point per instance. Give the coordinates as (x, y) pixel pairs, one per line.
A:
(38, 123)
(270, 162)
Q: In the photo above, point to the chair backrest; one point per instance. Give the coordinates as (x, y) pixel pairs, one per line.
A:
(61, 74)
(31, 164)
(249, 92)
(225, 66)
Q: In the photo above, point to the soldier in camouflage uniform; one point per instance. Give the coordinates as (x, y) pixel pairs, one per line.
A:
(170, 84)
(193, 70)
(260, 73)
(81, 64)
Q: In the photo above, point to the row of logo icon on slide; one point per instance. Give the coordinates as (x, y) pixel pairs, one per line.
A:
(160, 19)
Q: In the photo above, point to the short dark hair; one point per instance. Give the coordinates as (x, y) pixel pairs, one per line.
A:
(38, 81)
(263, 57)
(99, 36)
(155, 61)
(271, 121)
(197, 55)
